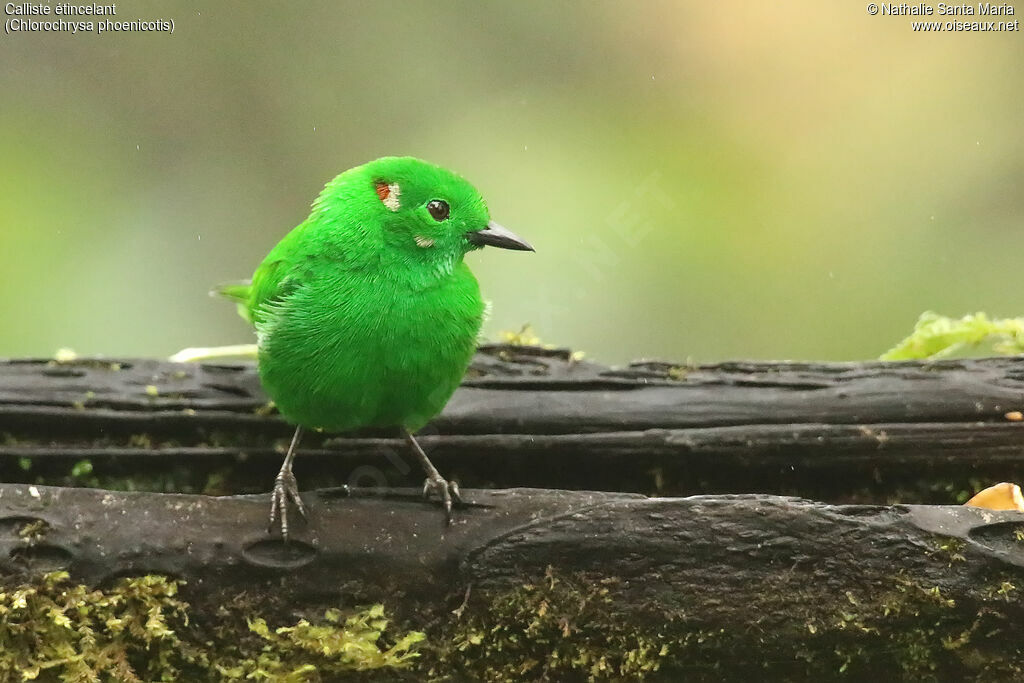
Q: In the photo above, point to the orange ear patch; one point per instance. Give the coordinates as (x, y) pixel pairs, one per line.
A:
(388, 193)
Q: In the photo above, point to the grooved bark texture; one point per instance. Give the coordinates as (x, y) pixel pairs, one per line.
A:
(725, 586)
(842, 432)
(733, 586)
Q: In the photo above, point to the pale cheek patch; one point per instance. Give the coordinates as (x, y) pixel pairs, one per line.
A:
(389, 193)
(424, 242)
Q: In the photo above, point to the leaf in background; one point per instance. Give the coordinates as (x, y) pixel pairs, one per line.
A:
(938, 336)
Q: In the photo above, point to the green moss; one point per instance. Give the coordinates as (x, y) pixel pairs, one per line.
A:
(525, 336)
(561, 628)
(679, 372)
(589, 628)
(341, 644)
(80, 469)
(914, 628)
(558, 627)
(268, 408)
(68, 358)
(34, 531)
(938, 336)
(55, 630)
(952, 547)
(139, 630)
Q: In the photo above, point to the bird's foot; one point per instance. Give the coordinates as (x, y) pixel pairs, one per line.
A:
(447, 491)
(286, 492)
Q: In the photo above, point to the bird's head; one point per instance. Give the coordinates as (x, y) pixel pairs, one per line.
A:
(429, 214)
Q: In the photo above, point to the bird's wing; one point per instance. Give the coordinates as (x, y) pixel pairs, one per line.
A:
(285, 269)
(270, 283)
(266, 286)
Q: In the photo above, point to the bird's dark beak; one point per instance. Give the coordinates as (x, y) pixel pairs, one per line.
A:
(496, 236)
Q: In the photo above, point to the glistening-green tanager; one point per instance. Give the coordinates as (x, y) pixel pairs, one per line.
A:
(366, 314)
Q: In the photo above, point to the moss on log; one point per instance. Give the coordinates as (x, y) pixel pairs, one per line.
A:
(563, 585)
(558, 583)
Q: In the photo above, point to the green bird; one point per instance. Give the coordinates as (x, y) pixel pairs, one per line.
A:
(366, 314)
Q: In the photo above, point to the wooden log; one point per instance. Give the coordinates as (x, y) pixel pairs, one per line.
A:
(842, 432)
(541, 584)
(706, 588)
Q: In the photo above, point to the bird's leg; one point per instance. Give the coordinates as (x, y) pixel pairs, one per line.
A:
(435, 483)
(286, 490)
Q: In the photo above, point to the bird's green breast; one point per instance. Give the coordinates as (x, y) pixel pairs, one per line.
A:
(350, 349)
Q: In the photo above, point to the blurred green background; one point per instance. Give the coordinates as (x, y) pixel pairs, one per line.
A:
(703, 180)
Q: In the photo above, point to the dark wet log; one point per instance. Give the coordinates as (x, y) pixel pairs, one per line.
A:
(919, 432)
(732, 587)
(703, 588)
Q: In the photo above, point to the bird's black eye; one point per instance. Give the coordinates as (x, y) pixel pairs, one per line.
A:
(438, 209)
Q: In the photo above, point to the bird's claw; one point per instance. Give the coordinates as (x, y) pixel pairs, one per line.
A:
(447, 491)
(286, 491)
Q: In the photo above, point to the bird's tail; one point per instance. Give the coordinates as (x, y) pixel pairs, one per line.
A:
(237, 291)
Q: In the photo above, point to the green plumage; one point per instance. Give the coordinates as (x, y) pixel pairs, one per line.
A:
(366, 314)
